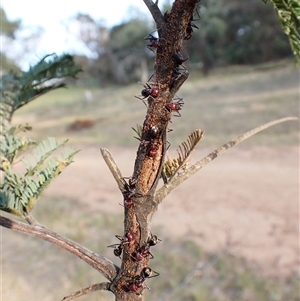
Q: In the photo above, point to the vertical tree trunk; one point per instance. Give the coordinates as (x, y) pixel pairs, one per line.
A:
(139, 191)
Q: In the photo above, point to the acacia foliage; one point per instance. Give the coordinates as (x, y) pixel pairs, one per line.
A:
(20, 192)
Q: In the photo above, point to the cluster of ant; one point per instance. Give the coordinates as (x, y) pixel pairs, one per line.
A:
(138, 282)
(150, 91)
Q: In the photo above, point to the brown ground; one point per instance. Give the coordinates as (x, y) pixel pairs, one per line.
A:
(246, 202)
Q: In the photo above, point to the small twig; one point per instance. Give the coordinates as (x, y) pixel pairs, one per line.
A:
(113, 167)
(88, 290)
(155, 12)
(171, 185)
(98, 262)
(31, 220)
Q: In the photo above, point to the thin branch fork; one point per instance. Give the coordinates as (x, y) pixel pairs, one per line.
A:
(98, 262)
(155, 12)
(88, 290)
(176, 181)
(113, 167)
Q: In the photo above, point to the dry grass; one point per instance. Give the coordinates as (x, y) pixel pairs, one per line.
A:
(224, 104)
(45, 272)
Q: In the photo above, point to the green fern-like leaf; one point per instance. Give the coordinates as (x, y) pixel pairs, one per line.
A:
(13, 146)
(172, 166)
(19, 194)
(48, 74)
(138, 131)
(288, 12)
(42, 152)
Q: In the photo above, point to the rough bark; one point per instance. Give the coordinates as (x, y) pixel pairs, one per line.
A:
(171, 29)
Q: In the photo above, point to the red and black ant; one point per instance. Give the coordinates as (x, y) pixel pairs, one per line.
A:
(142, 253)
(153, 148)
(154, 41)
(148, 91)
(144, 250)
(175, 106)
(118, 248)
(139, 280)
(129, 192)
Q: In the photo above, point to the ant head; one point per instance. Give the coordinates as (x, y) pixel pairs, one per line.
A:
(118, 251)
(153, 240)
(146, 272)
(145, 92)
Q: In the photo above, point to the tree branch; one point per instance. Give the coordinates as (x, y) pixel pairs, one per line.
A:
(168, 76)
(31, 220)
(113, 167)
(88, 290)
(173, 183)
(155, 12)
(98, 262)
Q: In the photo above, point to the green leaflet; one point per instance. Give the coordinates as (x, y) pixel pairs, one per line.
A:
(289, 16)
(19, 89)
(20, 192)
(42, 152)
(12, 146)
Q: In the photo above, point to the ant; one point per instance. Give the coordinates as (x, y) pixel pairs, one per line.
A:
(179, 59)
(118, 248)
(189, 29)
(175, 106)
(148, 91)
(144, 250)
(129, 192)
(178, 70)
(154, 147)
(154, 132)
(139, 280)
(154, 41)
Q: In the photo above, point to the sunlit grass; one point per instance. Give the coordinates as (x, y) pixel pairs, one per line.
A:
(225, 104)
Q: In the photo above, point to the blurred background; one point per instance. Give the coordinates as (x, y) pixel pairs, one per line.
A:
(109, 44)
(231, 232)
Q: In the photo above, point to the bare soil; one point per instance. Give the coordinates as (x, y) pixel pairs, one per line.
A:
(246, 202)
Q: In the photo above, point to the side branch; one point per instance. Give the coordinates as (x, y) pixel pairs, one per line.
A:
(113, 167)
(155, 12)
(175, 182)
(88, 290)
(98, 262)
